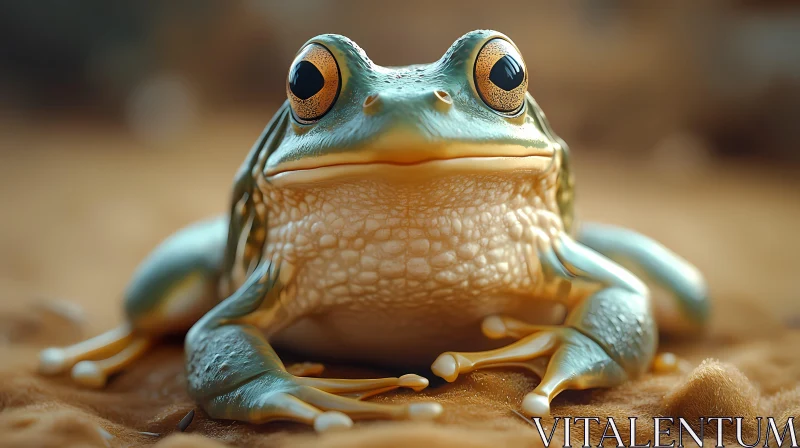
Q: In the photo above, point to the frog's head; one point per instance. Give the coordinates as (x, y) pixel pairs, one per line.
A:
(347, 117)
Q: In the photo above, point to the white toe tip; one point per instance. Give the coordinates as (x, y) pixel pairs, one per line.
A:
(86, 373)
(535, 405)
(52, 361)
(424, 411)
(412, 381)
(332, 421)
(445, 367)
(494, 327)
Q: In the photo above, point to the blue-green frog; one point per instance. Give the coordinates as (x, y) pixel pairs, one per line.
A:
(410, 217)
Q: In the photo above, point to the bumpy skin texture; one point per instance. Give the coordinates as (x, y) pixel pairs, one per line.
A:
(428, 262)
(409, 220)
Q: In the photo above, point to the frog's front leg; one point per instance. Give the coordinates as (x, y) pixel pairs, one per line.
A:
(235, 374)
(607, 337)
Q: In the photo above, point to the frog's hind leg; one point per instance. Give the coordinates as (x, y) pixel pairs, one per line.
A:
(660, 266)
(234, 373)
(170, 291)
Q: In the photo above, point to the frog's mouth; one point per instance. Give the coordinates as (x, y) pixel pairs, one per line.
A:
(410, 165)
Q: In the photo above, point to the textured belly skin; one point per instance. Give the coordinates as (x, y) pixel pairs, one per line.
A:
(398, 272)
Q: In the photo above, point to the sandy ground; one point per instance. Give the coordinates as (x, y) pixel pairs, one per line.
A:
(82, 206)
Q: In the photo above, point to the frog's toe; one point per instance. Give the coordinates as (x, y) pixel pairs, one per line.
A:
(356, 408)
(94, 374)
(666, 362)
(446, 367)
(306, 369)
(55, 360)
(425, 411)
(493, 327)
(329, 404)
(332, 421)
(526, 353)
(536, 405)
(89, 374)
(363, 388)
(498, 327)
(413, 382)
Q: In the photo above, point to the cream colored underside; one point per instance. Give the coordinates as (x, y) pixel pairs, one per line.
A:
(394, 272)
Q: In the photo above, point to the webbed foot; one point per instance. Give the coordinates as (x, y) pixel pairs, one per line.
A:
(234, 373)
(324, 403)
(91, 362)
(562, 357)
(605, 340)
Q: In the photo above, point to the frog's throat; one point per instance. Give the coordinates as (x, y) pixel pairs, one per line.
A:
(410, 164)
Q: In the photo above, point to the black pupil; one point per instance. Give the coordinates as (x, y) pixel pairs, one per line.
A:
(305, 80)
(507, 73)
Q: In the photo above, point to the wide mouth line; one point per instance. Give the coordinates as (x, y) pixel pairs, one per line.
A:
(398, 163)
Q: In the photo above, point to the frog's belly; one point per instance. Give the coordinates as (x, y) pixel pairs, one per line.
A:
(396, 273)
(407, 334)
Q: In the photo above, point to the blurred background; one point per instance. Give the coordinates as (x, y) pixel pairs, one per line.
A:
(122, 121)
(617, 73)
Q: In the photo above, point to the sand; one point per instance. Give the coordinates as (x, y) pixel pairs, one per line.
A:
(84, 206)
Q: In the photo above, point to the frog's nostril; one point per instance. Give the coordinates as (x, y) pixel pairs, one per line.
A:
(372, 104)
(443, 96)
(443, 99)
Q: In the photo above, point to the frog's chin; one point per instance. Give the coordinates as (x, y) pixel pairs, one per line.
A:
(532, 165)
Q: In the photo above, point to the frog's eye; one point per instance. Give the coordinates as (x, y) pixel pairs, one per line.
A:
(500, 76)
(313, 83)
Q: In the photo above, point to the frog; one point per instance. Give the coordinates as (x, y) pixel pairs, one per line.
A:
(415, 217)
